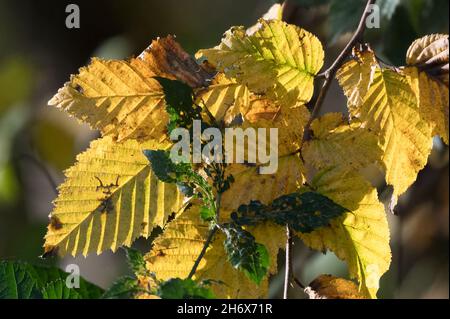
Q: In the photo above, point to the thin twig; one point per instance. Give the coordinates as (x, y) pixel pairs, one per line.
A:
(299, 283)
(211, 234)
(208, 241)
(288, 274)
(329, 73)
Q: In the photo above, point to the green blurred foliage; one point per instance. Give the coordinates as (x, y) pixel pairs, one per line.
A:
(59, 152)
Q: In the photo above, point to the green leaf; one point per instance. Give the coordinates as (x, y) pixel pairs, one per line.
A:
(179, 103)
(245, 254)
(124, 288)
(59, 290)
(184, 289)
(20, 280)
(207, 213)
(165, 169)
(304, 212)
(16, 282)
(185, 177)
(135, 261)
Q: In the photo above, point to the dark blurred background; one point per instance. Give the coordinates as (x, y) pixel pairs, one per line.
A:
(37, 142)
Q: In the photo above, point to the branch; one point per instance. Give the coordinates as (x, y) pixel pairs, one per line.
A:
(203, 252)
(299, 283)
(208, 241)
(288, 274)
(329, 73)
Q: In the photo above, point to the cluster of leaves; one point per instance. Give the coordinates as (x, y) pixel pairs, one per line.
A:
(144, 284)
(125, 184)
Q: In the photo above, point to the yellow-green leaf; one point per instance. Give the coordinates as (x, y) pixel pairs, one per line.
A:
(278, 58)
(110, 197)
(361, 236)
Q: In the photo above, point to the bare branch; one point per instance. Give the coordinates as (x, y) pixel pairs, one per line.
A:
(208, 241)
(288, 273)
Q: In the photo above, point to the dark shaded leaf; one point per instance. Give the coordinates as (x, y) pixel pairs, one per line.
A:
(245, 254)
(184, 289)
(135, 261)
(179, 103)
(304, 212)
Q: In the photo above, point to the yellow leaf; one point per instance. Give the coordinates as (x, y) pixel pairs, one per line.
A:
(356, 76)
(433, 100)
(429, 79)
(225, 98)
(290, 122)
(250, 185)
(391, 110)
(278, 58)
(360, 237)
(121, 99)
(110, 197)
(336, 143)
(174, 253)
(331, 287)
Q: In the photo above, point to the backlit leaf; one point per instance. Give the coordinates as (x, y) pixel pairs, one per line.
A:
(110, 197)
(361, 236)
(338, 143)
(280, 59)
(121, 98)
(391, 111)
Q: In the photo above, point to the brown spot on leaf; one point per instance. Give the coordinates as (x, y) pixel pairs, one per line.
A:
(55, 223)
